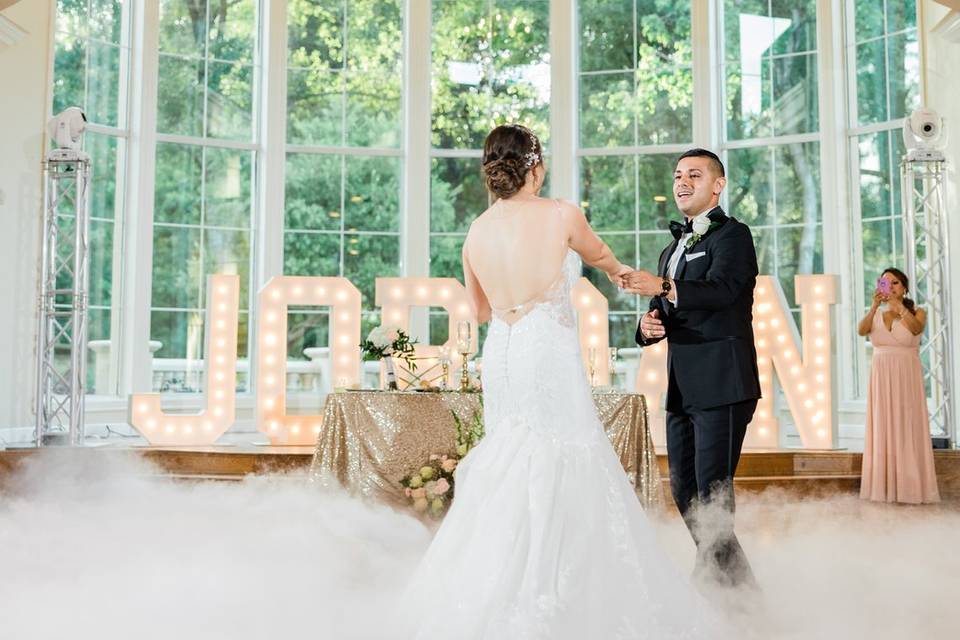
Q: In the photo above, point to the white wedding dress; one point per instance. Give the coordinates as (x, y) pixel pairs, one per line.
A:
(545, 537)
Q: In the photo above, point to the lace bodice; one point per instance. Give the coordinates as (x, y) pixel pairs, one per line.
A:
(533, 369)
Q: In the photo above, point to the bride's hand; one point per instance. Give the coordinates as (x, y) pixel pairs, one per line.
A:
(618, 276)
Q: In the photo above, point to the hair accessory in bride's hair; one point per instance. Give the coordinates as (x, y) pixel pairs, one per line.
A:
(533, 157)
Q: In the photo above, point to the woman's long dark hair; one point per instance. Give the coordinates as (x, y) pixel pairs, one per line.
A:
(902, 277)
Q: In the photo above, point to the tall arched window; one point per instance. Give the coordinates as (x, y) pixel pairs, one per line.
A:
(91, 67)
(344, 158)
(636, 115)
(491, 65)
(883, 71)
(207, 145)
(649, 79)
(771, 133)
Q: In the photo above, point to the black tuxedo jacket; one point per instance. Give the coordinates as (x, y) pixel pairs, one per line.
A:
(712, 359)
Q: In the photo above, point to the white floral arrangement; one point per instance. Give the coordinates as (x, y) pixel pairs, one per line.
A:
(386, 341)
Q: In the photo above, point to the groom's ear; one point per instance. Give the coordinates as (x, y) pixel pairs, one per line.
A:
(718, 185)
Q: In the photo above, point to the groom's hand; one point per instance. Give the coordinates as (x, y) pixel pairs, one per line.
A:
(650, 325)
(643, 283)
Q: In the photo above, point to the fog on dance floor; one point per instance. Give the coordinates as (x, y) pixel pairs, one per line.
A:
(111, 550)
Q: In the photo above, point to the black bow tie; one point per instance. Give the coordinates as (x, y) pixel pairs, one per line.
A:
(680, 228)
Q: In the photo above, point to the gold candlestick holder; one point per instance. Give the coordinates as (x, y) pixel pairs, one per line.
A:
(464, 340)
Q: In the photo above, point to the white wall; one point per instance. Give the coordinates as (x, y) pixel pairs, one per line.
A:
(24, 79)
(942, 69)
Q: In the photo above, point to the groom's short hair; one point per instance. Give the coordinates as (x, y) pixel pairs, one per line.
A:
(704, 153)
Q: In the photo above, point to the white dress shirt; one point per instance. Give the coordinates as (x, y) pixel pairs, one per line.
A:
(675, 259)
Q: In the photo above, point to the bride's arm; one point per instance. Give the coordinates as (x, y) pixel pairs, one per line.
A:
(588, 244)
(478, 299)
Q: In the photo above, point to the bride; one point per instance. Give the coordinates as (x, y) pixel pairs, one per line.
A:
(545, 538)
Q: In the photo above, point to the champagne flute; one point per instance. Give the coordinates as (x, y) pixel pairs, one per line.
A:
(445, 365)
(592, 359)
(613, 366)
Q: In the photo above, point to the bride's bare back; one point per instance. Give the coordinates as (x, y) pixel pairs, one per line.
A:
(514, 252)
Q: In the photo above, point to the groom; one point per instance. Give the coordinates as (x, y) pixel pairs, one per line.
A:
(702, 304)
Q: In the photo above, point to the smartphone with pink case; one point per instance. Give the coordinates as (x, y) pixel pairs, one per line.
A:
(883, 286)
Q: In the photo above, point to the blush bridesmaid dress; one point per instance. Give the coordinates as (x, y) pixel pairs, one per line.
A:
(897, 452)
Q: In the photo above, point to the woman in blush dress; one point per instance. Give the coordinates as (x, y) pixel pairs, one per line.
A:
(897, 452)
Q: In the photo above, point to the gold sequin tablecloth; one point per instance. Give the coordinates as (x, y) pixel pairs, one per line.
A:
(369, 440)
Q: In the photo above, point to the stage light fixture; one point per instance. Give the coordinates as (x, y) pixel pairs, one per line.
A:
(66, 129)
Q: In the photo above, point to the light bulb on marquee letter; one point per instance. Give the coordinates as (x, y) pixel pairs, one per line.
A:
(220, 369)
(806, 381)
(274, 298)
(652, 380)
(592, 311)
(396, 296)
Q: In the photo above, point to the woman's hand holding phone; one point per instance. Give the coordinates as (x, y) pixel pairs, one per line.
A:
(882, 292)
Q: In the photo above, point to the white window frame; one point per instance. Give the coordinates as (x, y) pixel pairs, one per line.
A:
(857, 365)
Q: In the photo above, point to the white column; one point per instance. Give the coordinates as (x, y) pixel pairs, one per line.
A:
(415, 197)
(564, 126)
(271, 163)
(835, 202)
(136, 362)
(708, 111)
(273, 127)
(111, 380)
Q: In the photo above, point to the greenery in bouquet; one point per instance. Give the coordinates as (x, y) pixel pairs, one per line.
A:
(430, 488)
(386, 341)
(469, 435)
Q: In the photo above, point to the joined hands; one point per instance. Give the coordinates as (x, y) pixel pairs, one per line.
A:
(639, 281)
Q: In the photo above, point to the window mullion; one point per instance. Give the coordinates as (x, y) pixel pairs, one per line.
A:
(563, 100)
(271, 161)
(136, 362)
(415, 211)
(708, 109)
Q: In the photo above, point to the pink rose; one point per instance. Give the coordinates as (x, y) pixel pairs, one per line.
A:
(441, 487)
(449, 465)
(408, 492)
(418, 493)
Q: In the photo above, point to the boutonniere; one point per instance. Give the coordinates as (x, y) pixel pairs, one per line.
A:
(702, 225)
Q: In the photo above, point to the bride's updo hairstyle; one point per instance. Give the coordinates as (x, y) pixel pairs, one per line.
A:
(510, 152)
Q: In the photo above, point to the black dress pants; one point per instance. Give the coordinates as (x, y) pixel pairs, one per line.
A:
(703, 448)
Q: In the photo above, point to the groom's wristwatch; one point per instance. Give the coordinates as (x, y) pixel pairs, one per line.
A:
(664, 288)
